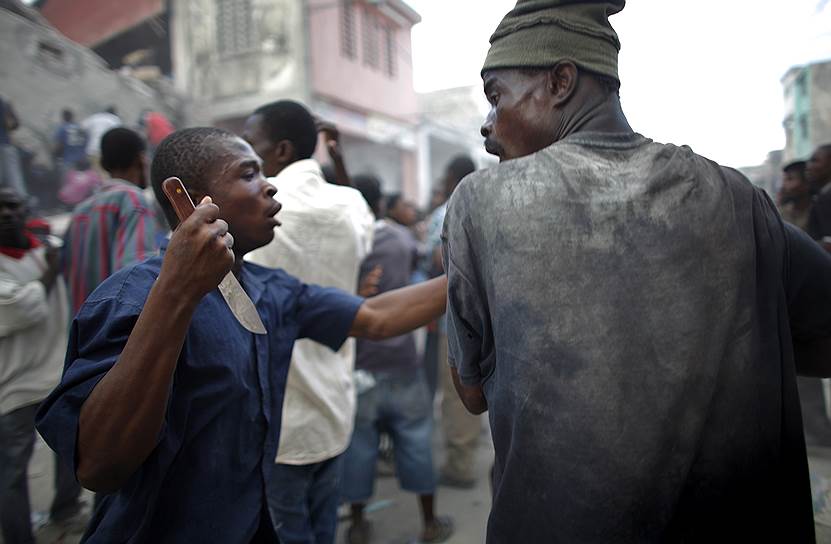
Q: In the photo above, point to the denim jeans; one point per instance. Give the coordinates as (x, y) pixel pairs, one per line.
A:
(400, 405)
(17, 440)
(303, 501)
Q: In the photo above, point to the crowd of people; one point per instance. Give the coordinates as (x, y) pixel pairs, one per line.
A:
(74, 171)
(632, 316)
(337, 235)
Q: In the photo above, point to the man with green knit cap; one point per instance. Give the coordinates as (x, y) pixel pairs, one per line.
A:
(631, 315)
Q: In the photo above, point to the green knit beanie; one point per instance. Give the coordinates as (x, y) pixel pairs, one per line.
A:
(541, 33)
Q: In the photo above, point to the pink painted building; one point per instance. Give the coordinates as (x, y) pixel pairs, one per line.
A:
(361, 78)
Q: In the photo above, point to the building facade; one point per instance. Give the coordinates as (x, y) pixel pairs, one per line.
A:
(807, 120)
(350, 61)
(43, 72)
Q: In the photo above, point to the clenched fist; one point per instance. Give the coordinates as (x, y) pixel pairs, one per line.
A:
(199, 254)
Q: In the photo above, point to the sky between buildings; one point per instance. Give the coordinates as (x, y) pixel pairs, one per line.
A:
(704, 73)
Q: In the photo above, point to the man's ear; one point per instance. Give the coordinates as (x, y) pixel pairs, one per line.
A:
(562, 81)
(284, 152)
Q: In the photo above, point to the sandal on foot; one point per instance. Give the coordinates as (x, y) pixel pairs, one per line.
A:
(441, 529)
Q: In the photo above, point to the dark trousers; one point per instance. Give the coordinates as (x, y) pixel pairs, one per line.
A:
(17, 440)
(303, 501)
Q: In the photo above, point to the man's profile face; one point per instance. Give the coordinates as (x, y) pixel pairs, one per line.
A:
(818, 170)
(245, 199)
(257, 137)
(520, 121)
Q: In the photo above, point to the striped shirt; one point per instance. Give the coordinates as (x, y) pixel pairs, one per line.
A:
(113, 228)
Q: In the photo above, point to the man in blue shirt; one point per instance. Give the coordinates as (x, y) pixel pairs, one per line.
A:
(70, 142)
(167, 404)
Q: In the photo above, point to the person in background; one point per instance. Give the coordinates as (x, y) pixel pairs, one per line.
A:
(79, 183)
(11, 171)
(631, 315)
(818, 173)
(116, 226)
(33, 331)
(401, 210)
(95, 126)
(335, 173)
(395, 397)
(326, 233)
(437, 198)
(404, 212)
(794, 198)
(69, 144)
(157, 127)
(461, 429)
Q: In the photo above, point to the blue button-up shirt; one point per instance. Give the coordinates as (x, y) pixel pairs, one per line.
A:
(204, 481)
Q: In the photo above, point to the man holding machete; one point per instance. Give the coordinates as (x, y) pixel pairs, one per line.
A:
(168, 404)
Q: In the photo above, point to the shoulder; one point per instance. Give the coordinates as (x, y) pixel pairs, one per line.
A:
(128, 288)
(345, 197)
(127, 197)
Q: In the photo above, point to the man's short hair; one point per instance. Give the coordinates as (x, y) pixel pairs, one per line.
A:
(796, 167)
(121, 148)
(67, 115)
(459, 167)
(289, 120)
(188, 154)
(370, 187)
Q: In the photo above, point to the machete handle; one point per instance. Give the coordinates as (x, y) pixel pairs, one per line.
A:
(179, 198)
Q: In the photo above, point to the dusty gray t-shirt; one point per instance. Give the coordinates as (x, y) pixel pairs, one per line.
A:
(628, 308)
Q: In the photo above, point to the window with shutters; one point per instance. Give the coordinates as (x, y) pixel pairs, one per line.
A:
(391, 64)
(371, 40)
(234, 27)
(348, 38)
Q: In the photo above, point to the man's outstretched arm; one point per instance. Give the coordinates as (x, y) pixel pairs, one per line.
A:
(400, 311)
(120, 421)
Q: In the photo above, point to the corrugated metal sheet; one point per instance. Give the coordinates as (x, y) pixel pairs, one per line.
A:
(91, 22)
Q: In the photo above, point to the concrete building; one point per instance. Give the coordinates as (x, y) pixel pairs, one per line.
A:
(767, 175)
(807, 109)
(349, 60)
(43, 72)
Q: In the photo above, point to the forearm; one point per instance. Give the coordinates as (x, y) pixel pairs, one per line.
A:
(472, 396)
(402, 310)
(813, 359)
(341, 175)
(121, 419)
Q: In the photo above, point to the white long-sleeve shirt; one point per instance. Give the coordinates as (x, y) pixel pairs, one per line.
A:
(326, 233)
(33, 331)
